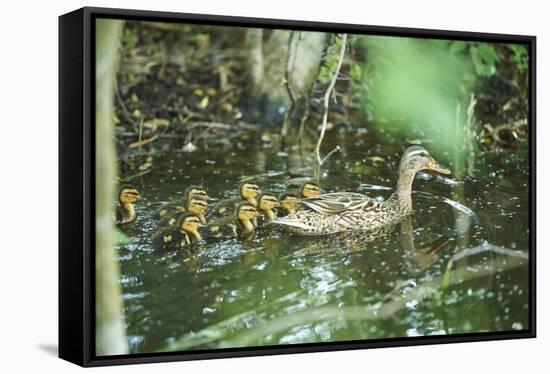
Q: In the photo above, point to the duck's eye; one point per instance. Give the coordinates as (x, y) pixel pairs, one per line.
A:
(420, 154)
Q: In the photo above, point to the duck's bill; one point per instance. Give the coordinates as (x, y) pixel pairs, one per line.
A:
(434, 165)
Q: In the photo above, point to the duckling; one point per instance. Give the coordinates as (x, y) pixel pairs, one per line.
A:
(267, 203)
(241, 223)
(309, 189)
(247, 191)
(173, 208)
(288, 204)
(124, 211)
(195, 206)
(182, 235)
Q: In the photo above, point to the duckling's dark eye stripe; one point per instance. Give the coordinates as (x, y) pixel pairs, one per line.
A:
(253, 188)
(131, 193)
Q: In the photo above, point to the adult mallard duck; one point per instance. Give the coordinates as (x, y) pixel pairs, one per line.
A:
(182, 235)
(173, 208)
(247, 193)
(267, 203)
(341, 211)
(241, 223)
(195, 206)
(124, 211)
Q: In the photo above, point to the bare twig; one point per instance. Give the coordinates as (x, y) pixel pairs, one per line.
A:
(219, 125)
(326, 100)
(336, 149)
(143, 142)
(470, 135)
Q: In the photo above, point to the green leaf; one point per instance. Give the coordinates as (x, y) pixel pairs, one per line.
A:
(121, 238)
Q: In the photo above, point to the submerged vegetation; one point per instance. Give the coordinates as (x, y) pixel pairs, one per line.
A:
(286, 115)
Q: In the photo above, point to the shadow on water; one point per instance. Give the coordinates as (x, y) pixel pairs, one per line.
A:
(421, 272)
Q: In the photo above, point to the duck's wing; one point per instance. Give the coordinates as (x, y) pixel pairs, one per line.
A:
(337, 202)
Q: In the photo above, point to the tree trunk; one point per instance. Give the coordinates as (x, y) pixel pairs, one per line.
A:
(267, 97)
(110, 329)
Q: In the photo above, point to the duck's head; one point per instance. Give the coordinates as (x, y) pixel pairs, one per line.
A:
(289, 202)
(417, 158)
(196, 206)
(189, 223)
(246, 212)
(128, 194)
(249, 190)
(194, 192)
(310, 189)
(267, 201)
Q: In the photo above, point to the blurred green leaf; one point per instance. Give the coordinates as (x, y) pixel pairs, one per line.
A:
(417, 87)
(121, 238)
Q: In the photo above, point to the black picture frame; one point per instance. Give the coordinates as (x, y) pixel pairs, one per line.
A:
(77, 181)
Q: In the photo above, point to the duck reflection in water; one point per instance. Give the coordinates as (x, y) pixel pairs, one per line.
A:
(416, 259)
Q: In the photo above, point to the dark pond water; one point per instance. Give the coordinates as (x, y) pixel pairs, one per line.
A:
(421, 279)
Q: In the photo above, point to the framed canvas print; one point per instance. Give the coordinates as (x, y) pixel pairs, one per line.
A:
(235, 186)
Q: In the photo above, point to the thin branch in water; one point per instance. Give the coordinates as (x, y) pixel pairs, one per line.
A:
(336, 149)
(222, 333)
(326, 101)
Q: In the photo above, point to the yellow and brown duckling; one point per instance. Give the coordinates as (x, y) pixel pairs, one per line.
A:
(247, 193)
(288, 204)
(267, 205)
(195, 201)
(181, 235)
(124, 211)
(240, 223)
(194, 206)
(309, 189)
